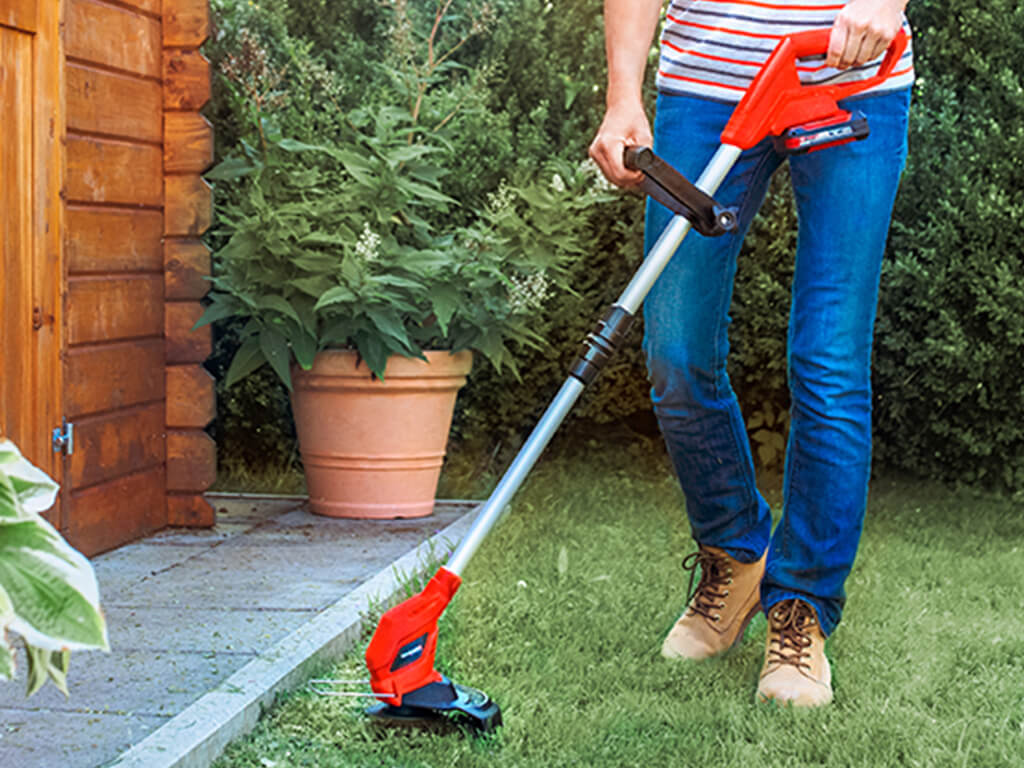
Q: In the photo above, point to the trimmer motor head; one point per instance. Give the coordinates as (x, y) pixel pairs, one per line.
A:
(442, 702)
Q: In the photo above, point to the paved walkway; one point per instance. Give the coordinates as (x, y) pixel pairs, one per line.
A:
(186, 609)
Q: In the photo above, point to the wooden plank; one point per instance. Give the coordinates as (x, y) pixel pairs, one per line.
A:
(18, 417)
(114, 376)
(191, 399)
(118, 105)
(146, 6)
(116, 444)
(110, 240)
(192, 511)
(186, 23)
(188, 142)
(112, 36)
(107, 171)
(107, 309)
(191, 460)
(186, 267)
(183, 345)
(188, 205)
(186, 79)
(20, 14)
(114, 513)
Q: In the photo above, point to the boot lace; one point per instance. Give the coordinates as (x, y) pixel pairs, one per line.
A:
(712, 589)
(789, 624)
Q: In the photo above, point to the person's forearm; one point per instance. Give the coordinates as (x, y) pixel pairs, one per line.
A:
(629, 27)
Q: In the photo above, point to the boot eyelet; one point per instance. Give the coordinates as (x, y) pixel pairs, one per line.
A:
(726, 593)
(729, 581)
(718, 617)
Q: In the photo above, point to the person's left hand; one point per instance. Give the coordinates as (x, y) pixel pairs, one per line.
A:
(862, 31)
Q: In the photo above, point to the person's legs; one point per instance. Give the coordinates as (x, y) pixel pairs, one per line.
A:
(686, 342)
(844, 199)
(686, 319)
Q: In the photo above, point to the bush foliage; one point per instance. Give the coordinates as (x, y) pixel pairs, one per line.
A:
(525, 86)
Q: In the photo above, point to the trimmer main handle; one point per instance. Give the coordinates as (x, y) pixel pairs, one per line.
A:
(777, 100)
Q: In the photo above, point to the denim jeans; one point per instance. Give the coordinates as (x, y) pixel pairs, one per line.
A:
(844, 197)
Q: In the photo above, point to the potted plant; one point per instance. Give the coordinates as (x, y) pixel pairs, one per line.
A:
(336, 258)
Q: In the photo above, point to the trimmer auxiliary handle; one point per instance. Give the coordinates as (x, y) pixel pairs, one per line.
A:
(400, 657)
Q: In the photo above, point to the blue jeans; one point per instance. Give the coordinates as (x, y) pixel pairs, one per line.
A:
(844, 198)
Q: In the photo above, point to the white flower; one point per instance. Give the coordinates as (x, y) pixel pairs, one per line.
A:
(557, 184)
(502, 199)
(589, 168)
(528, 292)
(368, 244)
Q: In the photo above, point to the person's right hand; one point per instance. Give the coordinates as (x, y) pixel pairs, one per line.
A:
(623, 126)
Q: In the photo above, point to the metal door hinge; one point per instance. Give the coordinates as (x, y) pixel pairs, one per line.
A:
(64, 438)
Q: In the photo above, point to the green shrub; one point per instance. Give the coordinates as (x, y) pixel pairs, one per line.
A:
(950, 337)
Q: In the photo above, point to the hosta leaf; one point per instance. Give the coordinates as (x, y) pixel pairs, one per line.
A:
(6, 659)
(32, 487)
(51, 587)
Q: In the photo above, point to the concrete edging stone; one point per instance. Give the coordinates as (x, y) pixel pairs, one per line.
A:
(197, 736)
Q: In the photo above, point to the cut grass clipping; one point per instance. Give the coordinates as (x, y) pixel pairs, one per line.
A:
(563, 611)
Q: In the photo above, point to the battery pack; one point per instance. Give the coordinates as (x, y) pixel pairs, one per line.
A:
(840, 128)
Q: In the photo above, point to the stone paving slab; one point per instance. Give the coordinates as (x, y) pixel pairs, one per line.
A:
(191, 629)
(72, 738)
(187, 610)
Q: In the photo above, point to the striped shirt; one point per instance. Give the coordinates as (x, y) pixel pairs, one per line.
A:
(714, 48)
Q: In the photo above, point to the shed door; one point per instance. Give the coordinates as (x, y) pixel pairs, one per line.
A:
(30, 212)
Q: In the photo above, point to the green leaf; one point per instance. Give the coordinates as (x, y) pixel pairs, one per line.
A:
(28, 487)
(336, 295)
(275, 349)
(230, 169)
(222, 306)
(444, 301)
(6, 659)
(389, 322)
(278, 304)
(51, 587)
(292, 145)
(247, 359)
(305, 348)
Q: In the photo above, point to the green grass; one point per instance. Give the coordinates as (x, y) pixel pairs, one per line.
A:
(563, 610)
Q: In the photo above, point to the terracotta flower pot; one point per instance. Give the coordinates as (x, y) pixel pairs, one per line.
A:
(374, 448)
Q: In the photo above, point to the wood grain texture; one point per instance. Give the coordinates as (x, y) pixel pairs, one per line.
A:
(114, 513)
(107, 171)
(191, 399)
(119, 105)
(186, 79)
(112, 240)
(117, 444)
(190, 510)
(186, 267)
(147, 6)
(114, 376)
(188, 205)
(20, 14)
(108, 309)
(183, 345)
(191, 460)
(186, 23)
(188, 142)
(115, 37)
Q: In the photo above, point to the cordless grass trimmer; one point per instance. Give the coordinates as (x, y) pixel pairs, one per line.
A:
(800, 119)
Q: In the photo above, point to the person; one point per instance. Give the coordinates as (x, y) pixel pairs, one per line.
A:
(710, 51)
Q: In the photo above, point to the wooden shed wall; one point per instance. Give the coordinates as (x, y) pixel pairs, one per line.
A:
(135, 208)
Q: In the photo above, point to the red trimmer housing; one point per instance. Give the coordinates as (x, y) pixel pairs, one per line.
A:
(777, 102)
(400, 656)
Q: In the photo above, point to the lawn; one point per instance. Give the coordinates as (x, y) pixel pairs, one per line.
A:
(563, 610)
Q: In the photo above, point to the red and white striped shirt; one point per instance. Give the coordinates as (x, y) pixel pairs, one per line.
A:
(714, 48)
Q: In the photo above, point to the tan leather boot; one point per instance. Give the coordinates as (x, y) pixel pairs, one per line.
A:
(726, 599)
(795, 669)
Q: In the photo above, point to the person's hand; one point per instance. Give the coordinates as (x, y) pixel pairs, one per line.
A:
(623, 126)
(862, 31)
